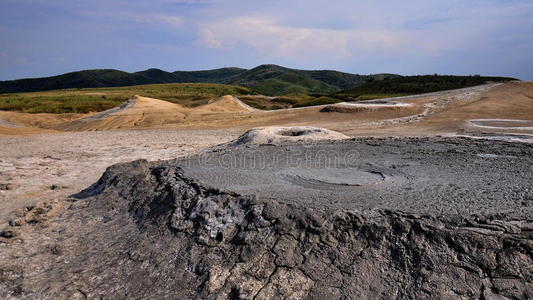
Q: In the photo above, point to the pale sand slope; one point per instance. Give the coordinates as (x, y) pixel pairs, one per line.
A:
(512, 100)
(20, 130)
(144, 112)
(224, 112)
(136, 112)
(13, 123)
(225, 104)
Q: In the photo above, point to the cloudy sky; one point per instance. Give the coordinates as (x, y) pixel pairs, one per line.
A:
(49, 37)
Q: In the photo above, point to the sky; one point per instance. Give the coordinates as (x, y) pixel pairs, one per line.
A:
(408, 37)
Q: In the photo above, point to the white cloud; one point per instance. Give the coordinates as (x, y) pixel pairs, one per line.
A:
(269, 37)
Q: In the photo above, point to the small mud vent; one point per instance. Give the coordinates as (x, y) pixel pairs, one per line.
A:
(317, 178)
(277, 135)
(299, 131)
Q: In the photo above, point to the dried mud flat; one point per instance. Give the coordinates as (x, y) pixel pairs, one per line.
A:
(439, 218)
(47, 167)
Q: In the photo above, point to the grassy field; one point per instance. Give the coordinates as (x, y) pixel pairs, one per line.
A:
(99, 99)
(86, 100)
(187, 94)
(303, 100)
(374, 96)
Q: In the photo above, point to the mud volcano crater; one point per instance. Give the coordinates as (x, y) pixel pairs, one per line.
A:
(358, 219)
(453, 176)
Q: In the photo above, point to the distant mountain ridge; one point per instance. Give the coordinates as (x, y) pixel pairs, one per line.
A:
(270, 80)
(277, 80)
(265, 79)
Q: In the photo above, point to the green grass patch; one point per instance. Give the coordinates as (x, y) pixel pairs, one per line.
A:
(378, 96)
(317, 101)
(99, 99)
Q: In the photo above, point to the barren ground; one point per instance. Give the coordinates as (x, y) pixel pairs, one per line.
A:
(407, 218)
(43, 164)
(42, 167)
(474, 242)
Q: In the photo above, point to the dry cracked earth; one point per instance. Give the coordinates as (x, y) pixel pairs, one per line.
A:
(366, 218)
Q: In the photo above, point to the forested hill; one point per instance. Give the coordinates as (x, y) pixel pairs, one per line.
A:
(269, 80)
(264, 79)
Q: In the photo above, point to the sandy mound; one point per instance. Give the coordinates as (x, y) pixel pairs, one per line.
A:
(136, 112)
(277, 135)
(16, 130)
(12, 122)
(225, 104)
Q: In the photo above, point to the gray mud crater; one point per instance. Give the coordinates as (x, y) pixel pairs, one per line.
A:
(452, 176)
(359, 219)
(332, 177)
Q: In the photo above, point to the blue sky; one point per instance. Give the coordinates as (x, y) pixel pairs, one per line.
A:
(49, 37)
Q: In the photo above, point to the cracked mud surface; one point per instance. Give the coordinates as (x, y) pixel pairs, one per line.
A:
(155, 230)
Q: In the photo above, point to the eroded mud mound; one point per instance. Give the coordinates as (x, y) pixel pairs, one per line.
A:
(149, 230)
(278, 135)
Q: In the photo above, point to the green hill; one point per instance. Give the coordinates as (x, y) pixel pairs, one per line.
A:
(346, 80)
(80, 79)
(275, 80)
(270, 80)
(208, 76)
(114, 78)
(157, 76)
